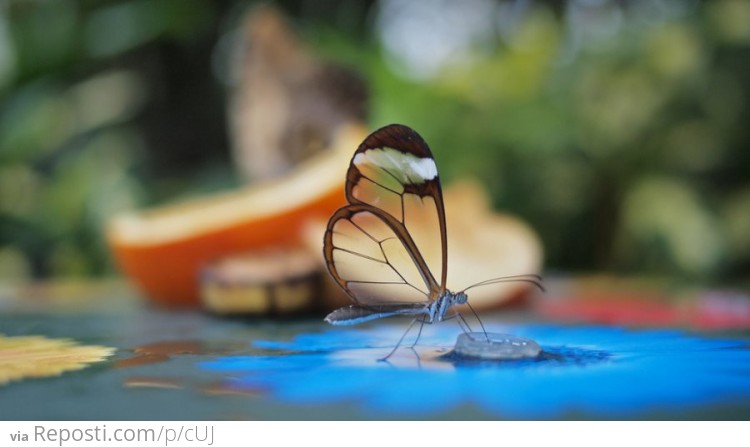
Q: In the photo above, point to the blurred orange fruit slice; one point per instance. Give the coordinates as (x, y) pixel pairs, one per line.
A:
(163, 249)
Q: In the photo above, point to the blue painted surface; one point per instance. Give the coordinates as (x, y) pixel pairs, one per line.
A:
(600, 371)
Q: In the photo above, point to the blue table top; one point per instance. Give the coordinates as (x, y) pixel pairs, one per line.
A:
(172, 365)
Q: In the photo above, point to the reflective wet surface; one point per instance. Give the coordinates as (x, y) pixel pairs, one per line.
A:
(604, 372)
(188, 365)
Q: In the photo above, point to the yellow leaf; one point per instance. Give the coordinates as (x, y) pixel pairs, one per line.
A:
(37, 356)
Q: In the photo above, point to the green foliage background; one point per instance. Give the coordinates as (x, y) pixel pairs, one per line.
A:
(632, 156)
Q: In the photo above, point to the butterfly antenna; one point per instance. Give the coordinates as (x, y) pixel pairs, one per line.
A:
(399, 341)
(535, 280)
(480, 321)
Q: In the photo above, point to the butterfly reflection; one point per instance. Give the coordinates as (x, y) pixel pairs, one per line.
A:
(388, 247)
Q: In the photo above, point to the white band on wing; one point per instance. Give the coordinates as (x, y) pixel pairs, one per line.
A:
(407, 168)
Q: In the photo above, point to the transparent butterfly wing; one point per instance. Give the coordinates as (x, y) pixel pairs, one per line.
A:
(389, 244)
(371, 261)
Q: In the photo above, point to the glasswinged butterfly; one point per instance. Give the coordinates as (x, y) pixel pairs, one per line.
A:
(388, 248)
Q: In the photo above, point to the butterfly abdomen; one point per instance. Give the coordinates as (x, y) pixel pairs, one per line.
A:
(350, 315)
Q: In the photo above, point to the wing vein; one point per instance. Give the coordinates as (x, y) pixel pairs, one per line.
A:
(361, 255)
(364, 231)
(382, 186)
(399, 273)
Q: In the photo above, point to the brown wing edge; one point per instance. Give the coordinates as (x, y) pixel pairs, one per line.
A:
(347, 212)
(398, 136)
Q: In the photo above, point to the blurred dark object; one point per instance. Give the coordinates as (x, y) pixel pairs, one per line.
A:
(270, 282)
(286, 105)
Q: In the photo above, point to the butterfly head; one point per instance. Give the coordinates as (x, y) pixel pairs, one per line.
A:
(460, 298)
(440, 307)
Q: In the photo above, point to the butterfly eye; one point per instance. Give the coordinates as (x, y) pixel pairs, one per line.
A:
(461, 298)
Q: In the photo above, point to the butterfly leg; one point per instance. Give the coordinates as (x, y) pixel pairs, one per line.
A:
(399, 341)
(465, 325)
(419, 334)
(480, 321)
(461, 322)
